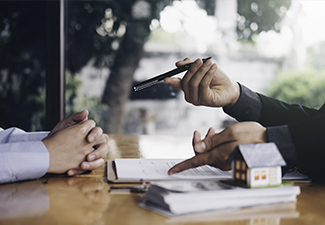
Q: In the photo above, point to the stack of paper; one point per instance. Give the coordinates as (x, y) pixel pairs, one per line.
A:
(268, 214)
(184, 197)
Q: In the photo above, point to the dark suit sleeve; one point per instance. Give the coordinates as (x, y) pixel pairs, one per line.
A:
(307, 129)
(306, 126)
(277, 113)
(253, 106)
(309, 138)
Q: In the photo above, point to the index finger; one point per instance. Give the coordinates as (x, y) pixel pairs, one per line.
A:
(184, 61)
(86, 126)
(198, 160)
(94, 134)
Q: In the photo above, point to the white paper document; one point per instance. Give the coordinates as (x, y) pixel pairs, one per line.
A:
(156, 169)
(193, 196)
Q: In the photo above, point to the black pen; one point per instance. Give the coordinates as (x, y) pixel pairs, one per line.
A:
(158, 78)
(128, 189)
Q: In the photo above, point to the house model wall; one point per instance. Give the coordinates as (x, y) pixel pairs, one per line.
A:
(256, 165)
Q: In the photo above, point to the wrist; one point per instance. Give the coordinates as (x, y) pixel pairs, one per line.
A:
(46, 141)
(235, 92)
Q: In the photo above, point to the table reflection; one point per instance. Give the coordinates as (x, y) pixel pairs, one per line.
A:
(261, 215)
(25, 199)
(60, 200)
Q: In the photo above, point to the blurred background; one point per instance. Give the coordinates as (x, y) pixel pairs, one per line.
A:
(274, 47)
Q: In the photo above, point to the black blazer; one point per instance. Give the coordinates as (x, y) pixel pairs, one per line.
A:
(307, 128)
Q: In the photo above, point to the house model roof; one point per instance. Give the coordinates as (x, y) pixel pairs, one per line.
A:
(259, 155)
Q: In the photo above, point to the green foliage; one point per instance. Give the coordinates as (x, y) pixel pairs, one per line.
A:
(267, 15)
(316, 56)
(95, 30)
(161, 36)
(77, 102)
(305, 88)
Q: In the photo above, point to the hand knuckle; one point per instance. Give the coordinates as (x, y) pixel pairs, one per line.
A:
(182, 83)
(202, 85)
(192, 85)
(106, 137)
(93, 122)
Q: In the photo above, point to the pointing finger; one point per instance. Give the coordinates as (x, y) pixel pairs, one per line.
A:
(198, 160)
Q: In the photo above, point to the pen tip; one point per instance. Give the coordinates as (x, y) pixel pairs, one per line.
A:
(206, 59)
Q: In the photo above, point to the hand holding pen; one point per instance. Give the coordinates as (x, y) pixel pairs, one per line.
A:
(205, 84)
(161, 77)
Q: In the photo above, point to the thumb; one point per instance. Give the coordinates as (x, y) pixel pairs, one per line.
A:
(174, 81)
(209, 142)
(80, 116)
(198, 144)
(196, 138)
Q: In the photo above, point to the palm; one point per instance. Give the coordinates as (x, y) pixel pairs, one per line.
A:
(219, 95)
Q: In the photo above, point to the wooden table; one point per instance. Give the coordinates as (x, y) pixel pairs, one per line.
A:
(85, 199)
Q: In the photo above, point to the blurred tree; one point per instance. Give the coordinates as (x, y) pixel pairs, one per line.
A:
(111, 32)
(256, 16)
(306, 88)
(115, 33)
(136, 16)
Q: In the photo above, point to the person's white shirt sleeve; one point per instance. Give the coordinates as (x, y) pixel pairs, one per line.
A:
(23, 156)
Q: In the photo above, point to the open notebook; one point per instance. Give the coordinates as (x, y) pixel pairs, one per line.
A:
(139, 170)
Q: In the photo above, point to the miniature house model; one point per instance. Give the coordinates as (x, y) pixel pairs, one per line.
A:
(255, 165)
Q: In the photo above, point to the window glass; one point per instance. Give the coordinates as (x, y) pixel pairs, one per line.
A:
(22, 64)
(257, 175)
(113, 45)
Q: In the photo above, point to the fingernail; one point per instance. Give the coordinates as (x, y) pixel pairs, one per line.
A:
(207, 63)
(197, 62)
(91, 157)
(71, 173)
(214, 66)
(167, 79)
(91, 196)
(91, 138)
(86, 166)
(200, 147)
(171, 172)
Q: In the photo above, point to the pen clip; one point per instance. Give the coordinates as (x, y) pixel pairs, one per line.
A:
(139, 87)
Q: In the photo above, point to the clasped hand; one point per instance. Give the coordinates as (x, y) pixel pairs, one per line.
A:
(76, 145)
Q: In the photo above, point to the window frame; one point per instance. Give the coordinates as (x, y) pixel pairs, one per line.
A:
(55, 77)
